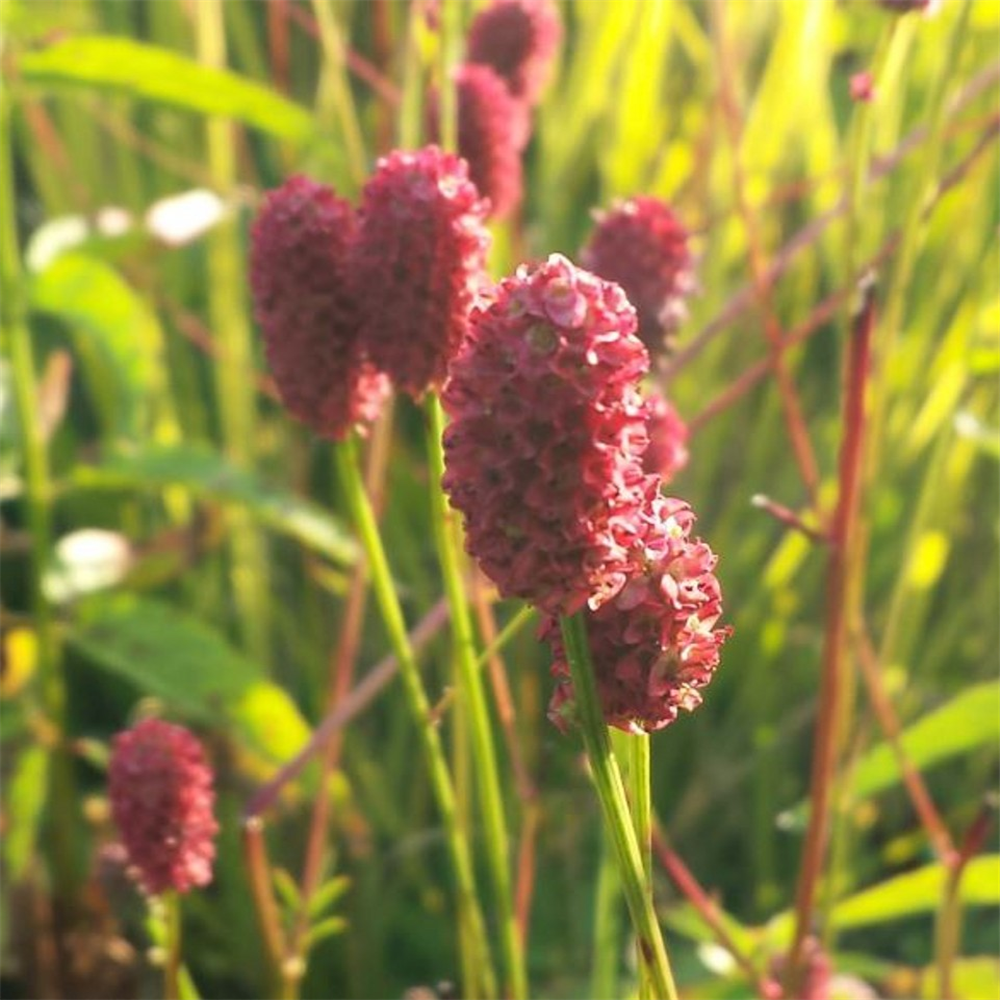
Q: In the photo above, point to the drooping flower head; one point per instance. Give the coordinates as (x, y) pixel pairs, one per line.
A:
(160, 787)
(667, 453)
(544, 451)
(641, 244)
(418, 264)
(492, 130)
(518, 39)
(300, 245)
(655, 644)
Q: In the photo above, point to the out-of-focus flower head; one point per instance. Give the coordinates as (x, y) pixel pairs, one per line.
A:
(519, 40)
(418, 264)
(667, 453)
(544, 450)
(160, 787)
(655, 644)
(300, 246)
(640, 244)
(492, 128)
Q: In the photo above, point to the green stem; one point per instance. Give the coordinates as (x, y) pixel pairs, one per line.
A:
(234, 385)
(607, 930)
(385, 594)
(474, 700)
(61, 796)
(617, 821)
(642, 819)
(948, 932)
(172, 964)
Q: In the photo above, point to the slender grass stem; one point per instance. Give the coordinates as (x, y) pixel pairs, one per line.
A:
(172, 964)
(607, 929)
(640, 795)
(617, 821)
(234, 378)
(474, 700)
(470, 913)
(62, 798)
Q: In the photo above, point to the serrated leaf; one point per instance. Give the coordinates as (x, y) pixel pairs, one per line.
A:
(152, 73)
(183, 661)
(116, 336)
(328, 894)
(209, 476)
(325, 929)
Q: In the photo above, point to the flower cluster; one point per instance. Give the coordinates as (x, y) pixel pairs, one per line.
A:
(655, 644)
(544, 448)
(518, 39)
(418, 264)
(346, 303)
(544, 457)
(160, 787)
(492, 130)
(641, 245)
(300, 247)
(667, 453)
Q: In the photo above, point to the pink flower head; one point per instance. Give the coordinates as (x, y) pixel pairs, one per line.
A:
(518, 39)
(161, 794)
(418, 264)
(667, 453)
(642, 245)
(544, 452)
(862, 86)
(298, 273)
(654, 644)
(492, 130)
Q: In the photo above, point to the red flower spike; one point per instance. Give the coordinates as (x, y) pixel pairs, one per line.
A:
(544, 452)
(655, 644)
(518, 39)
(418, 264)
(298, 274)
(160, 787)
(642, 245)
(667, 453)
(492, 131)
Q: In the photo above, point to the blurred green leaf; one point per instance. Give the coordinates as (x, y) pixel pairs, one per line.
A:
(210, 477)
(149, 72)
(178, 658)
(328, 894)
(324, 929)
(971, 719)
(906, 895)
(116, 336)
(971, 978)
(25, 802)
(286, 888)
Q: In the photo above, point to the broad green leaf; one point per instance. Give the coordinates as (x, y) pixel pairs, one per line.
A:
(210, 477)
(905, 895)
(115, 333)
(24, 803)
(151, 73)
(972, 978)
(179, 659)
(969, 720)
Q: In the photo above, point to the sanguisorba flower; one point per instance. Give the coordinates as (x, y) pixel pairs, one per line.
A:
(667, 453)
(300, 244)
(544, 451)
(160, 787)
(655, 644)
(518, 39)
(418, 264)
(492, 129)
(641, 244)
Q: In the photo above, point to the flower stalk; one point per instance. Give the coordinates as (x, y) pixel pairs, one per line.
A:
(614, 805)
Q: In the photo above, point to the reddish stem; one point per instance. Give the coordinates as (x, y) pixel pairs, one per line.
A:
(788, 517)
(278, 44)
(839, 590)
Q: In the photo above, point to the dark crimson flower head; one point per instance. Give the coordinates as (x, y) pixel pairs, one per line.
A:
(518, 39)
(492, 130)
(300, 245)
(641, 244)
(655, 644)
(544, 451)
(161, 794)
(418, 264)
(667, 453)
